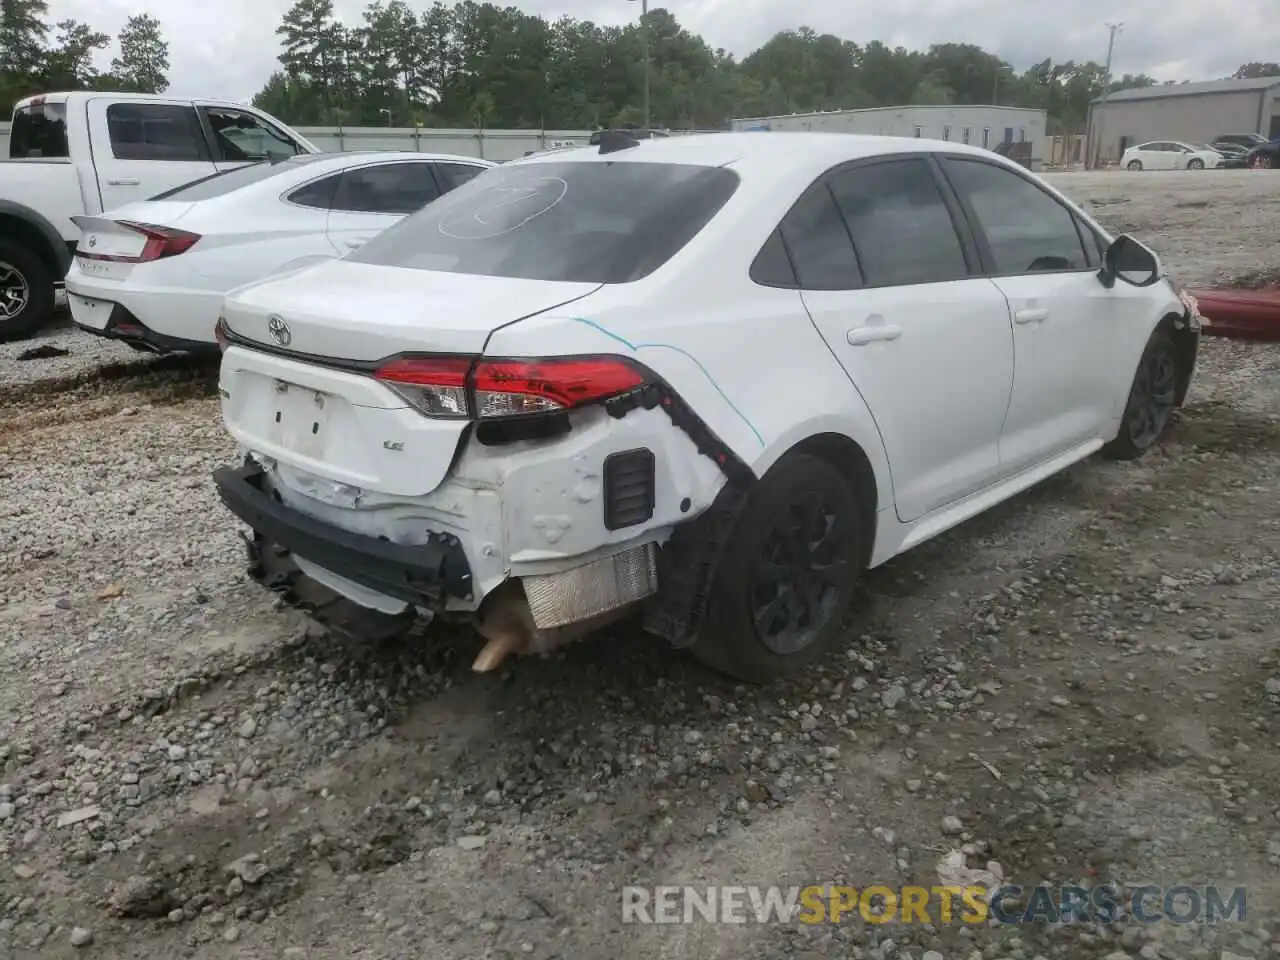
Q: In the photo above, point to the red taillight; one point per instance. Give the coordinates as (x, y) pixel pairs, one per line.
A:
(439, 386)
(436, 386)
(161, 242)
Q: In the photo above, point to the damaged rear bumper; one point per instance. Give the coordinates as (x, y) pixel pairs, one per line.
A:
(419, 575)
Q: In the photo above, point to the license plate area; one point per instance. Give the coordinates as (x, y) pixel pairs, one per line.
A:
(90, 312)
(300, 418)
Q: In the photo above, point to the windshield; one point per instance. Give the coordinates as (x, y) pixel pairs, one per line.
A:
(218, 184)
(39, 131)
(584, 222)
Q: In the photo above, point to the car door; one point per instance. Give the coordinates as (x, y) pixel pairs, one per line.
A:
(369, 199)
(240, 137)
(885, 276)
(1068, 328)
(146, 147)
(1170, 155)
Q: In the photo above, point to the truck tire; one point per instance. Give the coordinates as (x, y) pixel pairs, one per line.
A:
(26, 292)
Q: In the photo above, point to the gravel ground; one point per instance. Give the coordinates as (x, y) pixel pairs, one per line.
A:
(1082, 685)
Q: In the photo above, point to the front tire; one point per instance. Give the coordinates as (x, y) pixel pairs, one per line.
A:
(1196, 164)
(1152, 398)
(1135, 165)
(1261, 162)
(789, 570)
(26, 292)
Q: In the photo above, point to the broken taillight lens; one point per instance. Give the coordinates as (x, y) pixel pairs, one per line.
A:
(463, 387)
(161, 242)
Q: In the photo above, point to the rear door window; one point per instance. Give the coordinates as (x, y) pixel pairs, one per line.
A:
(901, 227)
(155, 131)
(819, 242)
(397, 188)
(454, 175)
(317, 193)
(39, 131)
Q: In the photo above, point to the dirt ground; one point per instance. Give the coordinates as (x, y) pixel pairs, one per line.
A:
(1086, 679)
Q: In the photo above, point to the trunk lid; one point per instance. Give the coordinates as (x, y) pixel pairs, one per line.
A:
(365, 312)
(105, 237)
(336, 437)
(339, 436)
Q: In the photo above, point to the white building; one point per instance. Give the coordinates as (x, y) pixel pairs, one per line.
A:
(982, 126)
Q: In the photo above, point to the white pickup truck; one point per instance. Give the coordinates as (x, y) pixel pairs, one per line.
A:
(72, 154)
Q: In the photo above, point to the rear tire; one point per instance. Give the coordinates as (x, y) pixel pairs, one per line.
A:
(789, 570)
(26, 292)
(1135, 165)
(1196, 164)
(1152, 398)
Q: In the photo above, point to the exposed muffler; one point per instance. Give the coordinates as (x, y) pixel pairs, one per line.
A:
(535, 615)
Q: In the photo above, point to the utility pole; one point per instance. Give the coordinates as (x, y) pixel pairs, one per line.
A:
(1113, 29)
(644, 41)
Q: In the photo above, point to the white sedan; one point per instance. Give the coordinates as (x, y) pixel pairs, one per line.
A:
(716, 377)
(154, 273)
(1172, 155)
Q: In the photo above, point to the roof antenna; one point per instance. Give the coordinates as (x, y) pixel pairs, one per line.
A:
(611, 141)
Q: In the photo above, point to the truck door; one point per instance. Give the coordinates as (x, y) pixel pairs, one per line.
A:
(144, 147)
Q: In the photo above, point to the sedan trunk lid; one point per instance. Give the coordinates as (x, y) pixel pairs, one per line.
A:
(364, 312)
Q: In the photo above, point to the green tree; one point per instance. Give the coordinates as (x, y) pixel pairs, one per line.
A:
(313, 53)
(144, 56)
(1249, 71)
(22, 49)
(69, 65)
(476, 62)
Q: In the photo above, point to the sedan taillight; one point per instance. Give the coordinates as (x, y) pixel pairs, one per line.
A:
(470, 388)
(160, 242)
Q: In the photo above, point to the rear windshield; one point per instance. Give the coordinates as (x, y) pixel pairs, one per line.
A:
(39, 131)
(583, 222)
(218, 184)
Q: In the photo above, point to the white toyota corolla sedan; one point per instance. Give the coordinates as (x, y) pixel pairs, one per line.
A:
(154, 273)
(710, 377)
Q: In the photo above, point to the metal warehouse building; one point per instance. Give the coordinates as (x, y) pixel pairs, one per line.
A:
(982, 126)
(1191, 112)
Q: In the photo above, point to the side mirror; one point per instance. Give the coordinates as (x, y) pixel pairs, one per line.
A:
(1128, 260)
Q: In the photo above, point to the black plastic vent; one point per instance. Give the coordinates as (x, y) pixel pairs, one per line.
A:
(628, 488)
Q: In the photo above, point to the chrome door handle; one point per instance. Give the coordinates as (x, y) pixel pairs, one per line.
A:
(1033, 315)
(861, 336)
(124, 182)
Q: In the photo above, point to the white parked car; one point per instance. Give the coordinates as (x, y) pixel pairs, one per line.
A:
(154, 273)
(714, 376)
(72, 154)
(1172, 155)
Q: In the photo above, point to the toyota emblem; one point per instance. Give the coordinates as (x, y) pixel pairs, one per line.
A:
(279, 330)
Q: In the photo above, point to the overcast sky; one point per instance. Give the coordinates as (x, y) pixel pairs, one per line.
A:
(228, 48)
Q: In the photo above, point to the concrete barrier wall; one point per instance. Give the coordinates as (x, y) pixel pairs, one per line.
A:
(497, 145)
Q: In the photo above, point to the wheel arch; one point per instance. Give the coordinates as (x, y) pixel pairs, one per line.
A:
(29, 227)
(847, 455)
(691, 556)
(1186, 339)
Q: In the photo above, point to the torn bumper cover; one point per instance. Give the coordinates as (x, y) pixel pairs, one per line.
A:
(420, 575)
